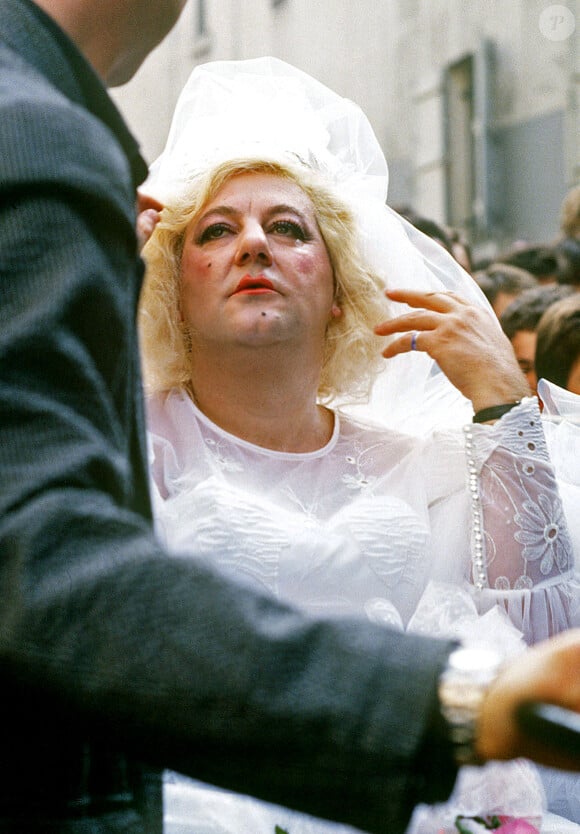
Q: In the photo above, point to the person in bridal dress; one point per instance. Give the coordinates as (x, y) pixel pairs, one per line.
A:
(334, 412)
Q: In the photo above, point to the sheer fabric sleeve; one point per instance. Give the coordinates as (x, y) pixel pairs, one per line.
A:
(561, 422)
(522, 554)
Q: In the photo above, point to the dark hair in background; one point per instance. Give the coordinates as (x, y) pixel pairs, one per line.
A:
(525, 311)
(558, 345)
(568, 254)
(433, 230)
(500, 277)
(541, 261)
(429, 227)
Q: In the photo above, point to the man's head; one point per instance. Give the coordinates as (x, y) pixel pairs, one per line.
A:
(568, 252)
(502, 283)
(558, 343)
(115, 35)
(540, 260)
(520, 320)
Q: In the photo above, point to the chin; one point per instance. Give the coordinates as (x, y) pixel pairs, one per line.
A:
(122, 73)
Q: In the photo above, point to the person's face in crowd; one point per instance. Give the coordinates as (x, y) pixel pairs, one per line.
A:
(255, 269)
(503, 300)
(573, 383)
(461, 255)
(524, 345)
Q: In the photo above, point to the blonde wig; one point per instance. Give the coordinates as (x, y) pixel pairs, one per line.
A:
(352, 354)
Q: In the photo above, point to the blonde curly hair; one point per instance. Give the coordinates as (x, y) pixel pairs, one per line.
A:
(352, 355)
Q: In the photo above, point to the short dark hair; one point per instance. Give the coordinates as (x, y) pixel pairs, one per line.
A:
(539, 260)
(568, 254)
(558, 345)
(525, 311)
(431, 229)
(500, 277)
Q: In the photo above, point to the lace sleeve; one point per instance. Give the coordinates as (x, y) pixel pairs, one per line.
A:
(521, 549)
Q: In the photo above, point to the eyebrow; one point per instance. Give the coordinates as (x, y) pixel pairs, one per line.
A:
(280, 208)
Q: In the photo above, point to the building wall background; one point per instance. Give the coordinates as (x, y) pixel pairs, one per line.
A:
(475, 102)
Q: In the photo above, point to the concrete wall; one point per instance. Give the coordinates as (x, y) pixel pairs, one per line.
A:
(533, 176)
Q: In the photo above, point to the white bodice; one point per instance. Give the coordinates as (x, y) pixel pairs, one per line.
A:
(344, 529)
(362, 525)
(426, 534)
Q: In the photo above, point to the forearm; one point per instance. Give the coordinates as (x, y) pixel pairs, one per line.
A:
(520, 540)
(196, 673)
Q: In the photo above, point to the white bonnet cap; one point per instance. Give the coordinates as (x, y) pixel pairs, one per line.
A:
(265, 107)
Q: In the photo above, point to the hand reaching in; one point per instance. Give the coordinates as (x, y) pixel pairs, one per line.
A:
(148, 209)
(548, 672)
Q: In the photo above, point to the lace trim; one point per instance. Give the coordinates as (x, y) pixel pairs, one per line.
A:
(480, 577)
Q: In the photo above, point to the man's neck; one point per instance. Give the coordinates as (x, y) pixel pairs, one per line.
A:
(263, 397)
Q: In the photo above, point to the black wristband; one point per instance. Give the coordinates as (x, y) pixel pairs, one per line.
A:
(494, 412)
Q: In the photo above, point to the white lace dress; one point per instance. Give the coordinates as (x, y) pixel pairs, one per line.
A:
(429, 535)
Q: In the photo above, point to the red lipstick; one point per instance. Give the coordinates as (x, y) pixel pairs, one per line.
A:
(254, 285)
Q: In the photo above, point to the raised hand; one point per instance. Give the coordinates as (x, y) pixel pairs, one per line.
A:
(465, 340)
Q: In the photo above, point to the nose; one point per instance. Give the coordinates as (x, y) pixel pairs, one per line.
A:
(253, 245)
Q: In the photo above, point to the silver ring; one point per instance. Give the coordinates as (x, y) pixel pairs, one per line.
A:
(414, 338)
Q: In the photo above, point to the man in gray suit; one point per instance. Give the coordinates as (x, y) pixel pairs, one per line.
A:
(117, 661)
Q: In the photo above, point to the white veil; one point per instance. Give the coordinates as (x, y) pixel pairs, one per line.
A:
(268, 108)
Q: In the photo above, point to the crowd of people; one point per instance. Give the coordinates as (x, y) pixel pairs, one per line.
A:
(521, 282)
(329, 560)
